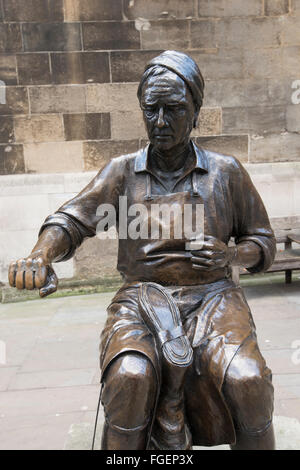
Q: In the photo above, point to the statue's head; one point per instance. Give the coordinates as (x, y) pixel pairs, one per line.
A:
(170, 94)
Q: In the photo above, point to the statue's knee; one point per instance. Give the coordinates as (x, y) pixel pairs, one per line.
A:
(129, 391)
(249, 394)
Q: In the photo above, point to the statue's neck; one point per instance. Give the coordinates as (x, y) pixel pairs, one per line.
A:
(171, 160)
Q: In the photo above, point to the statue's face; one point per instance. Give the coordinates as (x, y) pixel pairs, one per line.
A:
(168, 110)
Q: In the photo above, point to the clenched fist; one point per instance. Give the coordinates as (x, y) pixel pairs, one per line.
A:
(33, 273)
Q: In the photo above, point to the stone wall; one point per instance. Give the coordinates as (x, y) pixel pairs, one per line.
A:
(68, 100)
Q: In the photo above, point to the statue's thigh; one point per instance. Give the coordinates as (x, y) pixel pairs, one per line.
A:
(248, 388)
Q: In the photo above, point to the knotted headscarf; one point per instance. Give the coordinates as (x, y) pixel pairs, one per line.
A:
(182, 65)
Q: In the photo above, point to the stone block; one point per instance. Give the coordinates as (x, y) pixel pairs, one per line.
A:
(98, 154)
(39, 128)
(10, 37)
(295, 7)
(92, 10)
(80, 67)
(275, 148)
(112, 97)
(203, 34)
(93, 126)
(29, 184)
(33, 69)
(127, 125)
(290, 30)
(276, 7)
(209, 122)
(225, 93)
(248, 32)
(233, 145)
(33, 10)
(254, 120)
(87, 259)
(291, 60)
(16, 101)
(39, 37)
(53, 157)
(223, 64)
(6, 129)
(128, 66)
(263, 63)
(158, 9)
(293, 118)
(165, 34)
(223, 8)
(57, 99)
(110, 35)
(8, 69)
(11, 160)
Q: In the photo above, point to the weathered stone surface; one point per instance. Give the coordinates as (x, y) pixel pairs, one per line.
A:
(110, 35)
(295, 7)
(98, 154)
(16, 101)
(263, 63)
(218, 64)
(255, 120)
(158, 9)
(96, 258)
(8, 69)
(40, 128)
(33, 69)
(276, 7)
(220, 8)
(226, 93)
(165, 34)
(92, 10)
(127, 125)
(235, 145)
(53, 157)
(80, 67)
(128, 66)
(51, 37)
(6, 129)
(33, 10)
(112, 97)
(293, 118)
(290, 30)
(57, 99)
(275, 148)
(203, 34)
(291, 60)
(11, 159)
(248, 32)
(92, 126)
(10, 37)
(209, 122)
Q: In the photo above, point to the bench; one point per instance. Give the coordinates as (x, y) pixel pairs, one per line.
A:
(286, 259)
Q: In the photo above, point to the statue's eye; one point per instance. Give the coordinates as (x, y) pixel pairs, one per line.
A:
(149, 111)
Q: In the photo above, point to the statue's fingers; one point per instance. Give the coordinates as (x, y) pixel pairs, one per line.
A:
(52, 283)
(20, 276)
(41, 271)
(12, 274)
(29, 274)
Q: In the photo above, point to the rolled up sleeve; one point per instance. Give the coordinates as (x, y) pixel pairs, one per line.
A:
(251, 221)
(79, 216)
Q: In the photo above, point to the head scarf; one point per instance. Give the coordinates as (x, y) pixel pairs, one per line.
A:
(186, 68)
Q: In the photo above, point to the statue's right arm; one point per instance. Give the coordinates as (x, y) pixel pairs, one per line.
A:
(65, 230)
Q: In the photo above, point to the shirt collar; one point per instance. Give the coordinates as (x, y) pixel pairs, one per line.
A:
(142, 159)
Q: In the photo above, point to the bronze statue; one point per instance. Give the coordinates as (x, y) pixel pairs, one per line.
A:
(179, 355)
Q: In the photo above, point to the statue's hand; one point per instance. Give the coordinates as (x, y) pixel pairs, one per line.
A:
(214, 254)
(33, 272)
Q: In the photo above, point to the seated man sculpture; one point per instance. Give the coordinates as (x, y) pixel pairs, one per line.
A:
(179, 355)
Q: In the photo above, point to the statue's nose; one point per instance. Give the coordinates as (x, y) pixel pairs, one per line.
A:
(161, 118)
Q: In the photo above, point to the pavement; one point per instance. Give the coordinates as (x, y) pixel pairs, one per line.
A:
(49, 376)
